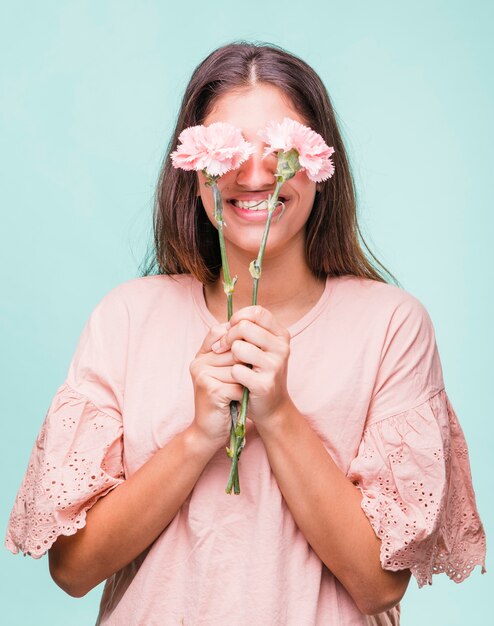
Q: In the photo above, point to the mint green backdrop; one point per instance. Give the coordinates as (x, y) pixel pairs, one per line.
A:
(89, 94)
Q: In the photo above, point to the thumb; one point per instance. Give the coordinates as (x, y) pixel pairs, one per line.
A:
(215, 332)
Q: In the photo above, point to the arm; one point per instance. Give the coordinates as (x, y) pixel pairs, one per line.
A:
(326, 507)
(122, 524)
(324, 503)
(127, 520)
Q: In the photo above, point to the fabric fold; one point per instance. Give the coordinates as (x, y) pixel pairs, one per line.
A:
(76, 459)
(413, 471)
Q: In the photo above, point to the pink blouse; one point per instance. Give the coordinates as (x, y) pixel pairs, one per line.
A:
(365, 372)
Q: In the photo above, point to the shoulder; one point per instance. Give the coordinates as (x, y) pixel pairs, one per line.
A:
(144, 291)
(388, 303)
(141, 300)
(394, 327)
(396, 324)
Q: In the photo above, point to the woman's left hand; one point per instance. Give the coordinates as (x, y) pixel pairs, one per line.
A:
(257, 339)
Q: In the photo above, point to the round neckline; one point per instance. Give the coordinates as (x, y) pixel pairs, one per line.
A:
(294, 329)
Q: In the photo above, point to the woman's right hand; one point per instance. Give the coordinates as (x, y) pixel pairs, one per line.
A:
(214, 389)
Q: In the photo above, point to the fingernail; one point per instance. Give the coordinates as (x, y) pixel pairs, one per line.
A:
(216, 346)
(227, 325)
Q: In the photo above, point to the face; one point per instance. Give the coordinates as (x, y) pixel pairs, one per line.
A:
(250, 110)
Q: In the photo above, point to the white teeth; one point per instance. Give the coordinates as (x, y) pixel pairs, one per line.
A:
(254, 205)
(251, 205)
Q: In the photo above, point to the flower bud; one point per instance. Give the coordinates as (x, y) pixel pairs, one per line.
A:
(255, 270)
(288, 164)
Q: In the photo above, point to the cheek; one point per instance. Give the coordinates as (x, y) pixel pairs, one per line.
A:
(307, 196)
(209, 210)
(206, 195)
(305, 188)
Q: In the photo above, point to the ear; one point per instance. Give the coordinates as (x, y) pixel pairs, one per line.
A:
(318, 187)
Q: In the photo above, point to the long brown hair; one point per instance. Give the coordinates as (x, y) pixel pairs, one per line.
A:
(185, 241)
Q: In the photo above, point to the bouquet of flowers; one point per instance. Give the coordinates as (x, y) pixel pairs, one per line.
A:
(220, 148)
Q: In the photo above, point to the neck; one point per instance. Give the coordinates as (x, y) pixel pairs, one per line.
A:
(287, 287)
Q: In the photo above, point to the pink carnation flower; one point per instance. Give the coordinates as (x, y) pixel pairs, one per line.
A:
(314, 154)
(217, 148)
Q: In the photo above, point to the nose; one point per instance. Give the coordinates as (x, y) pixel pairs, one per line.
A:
(257, 173)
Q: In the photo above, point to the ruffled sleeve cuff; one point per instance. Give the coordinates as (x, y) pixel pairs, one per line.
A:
(414, 474)
(77, 458)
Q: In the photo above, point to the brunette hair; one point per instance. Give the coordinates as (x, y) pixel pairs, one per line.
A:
(185, 241)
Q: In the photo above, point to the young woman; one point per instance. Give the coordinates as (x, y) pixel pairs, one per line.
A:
(355, 474)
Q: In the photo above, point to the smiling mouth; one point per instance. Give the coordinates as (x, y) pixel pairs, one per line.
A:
(253, 205)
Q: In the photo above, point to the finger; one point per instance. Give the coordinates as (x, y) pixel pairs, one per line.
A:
(233, 392)
(221, 359)
(247, 330)
(251, 333)
(247, 353)
(215, 332)
(262, 317)
(222, 374)
(245, 377)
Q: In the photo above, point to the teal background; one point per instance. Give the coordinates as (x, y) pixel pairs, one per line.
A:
(89, 94)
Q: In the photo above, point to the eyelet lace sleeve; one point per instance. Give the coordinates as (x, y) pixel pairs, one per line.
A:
(77, 458)
(414, 474)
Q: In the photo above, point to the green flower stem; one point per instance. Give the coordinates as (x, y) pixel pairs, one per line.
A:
(229, 286)
(237, 434)
(228, 283)
(257, 264)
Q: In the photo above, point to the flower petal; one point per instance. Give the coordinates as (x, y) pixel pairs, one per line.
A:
(314, 152)
(217, 148)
